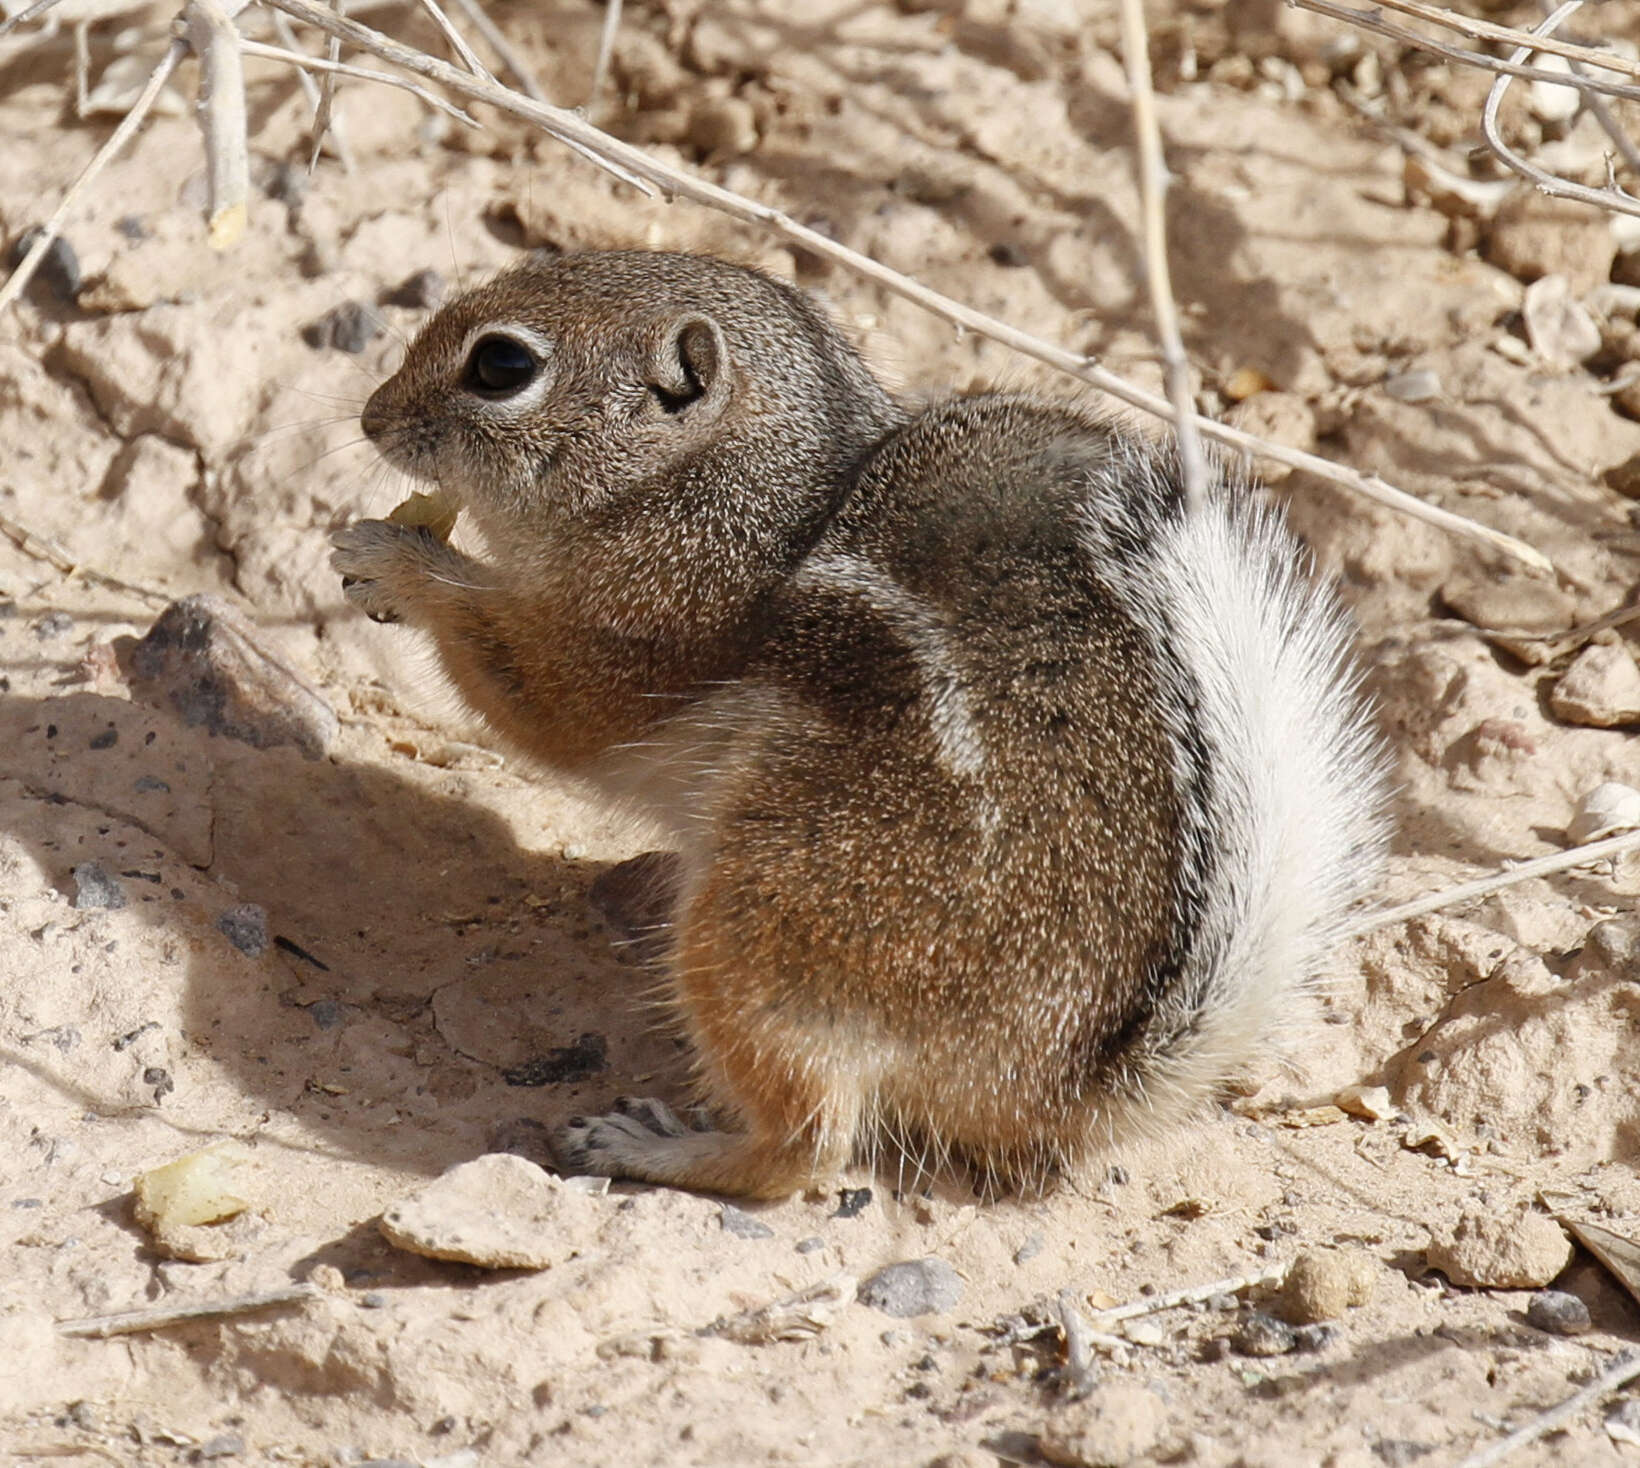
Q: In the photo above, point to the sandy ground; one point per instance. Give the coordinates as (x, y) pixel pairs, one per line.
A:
(427, 901)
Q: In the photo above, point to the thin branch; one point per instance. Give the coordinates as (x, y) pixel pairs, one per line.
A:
(1371, 20)
(1542, 866)
(1190, 1295)
(319, 98)
(1624, 1369)
(23, 17)
(215, 41)
(1612, 198)
(1486, 30)
(306, 63)
(458, 42)
(606, 49)
(125, 1322)
(129, 124)
(503, 48)
(636, 165)
(1153, 180)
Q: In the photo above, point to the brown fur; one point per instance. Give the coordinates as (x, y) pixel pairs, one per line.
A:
(938, 866)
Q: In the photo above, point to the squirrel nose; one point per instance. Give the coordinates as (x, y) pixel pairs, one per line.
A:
(373, 421)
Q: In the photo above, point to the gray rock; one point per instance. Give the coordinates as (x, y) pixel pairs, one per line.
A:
(742, 1225)
(1558, 1313)
(246, 927)
(93, 887)
(59, 271)
(423, 291)
(913, 1287)
(201, 661)
(1264, 1335)
(810, 1245)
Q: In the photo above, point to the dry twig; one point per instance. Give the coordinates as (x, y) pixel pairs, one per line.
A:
(129, 124)
(306, 63)
(1542, 866)
(126, 1322)
(1486, 30)
(1153, 180)
(1190, 1295)
(1624, 1369)
(215, 41)
(1372, 20)
(1611, 197)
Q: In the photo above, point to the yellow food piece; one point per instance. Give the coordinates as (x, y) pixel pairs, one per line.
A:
(433, 512)
(203, 1187)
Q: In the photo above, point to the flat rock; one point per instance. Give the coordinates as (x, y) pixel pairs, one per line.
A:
(202, 661)
(913, 1287)
(1600, 689)
(1520, 614)
(1502, 1251)
(498, 1211)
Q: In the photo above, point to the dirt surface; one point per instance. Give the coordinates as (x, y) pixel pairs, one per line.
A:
(374, 965)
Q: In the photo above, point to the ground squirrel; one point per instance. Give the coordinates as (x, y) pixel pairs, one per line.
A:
(1016, 808)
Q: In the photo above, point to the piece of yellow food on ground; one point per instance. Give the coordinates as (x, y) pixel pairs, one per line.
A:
(435, 513)
(203, 1187)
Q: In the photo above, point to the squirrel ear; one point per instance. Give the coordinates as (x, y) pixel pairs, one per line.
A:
(689, 365)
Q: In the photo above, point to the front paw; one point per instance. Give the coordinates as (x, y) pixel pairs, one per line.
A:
(384, 567)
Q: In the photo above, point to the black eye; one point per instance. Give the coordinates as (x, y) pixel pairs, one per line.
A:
(498, 366)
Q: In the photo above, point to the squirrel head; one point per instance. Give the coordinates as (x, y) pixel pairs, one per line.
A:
(612, 388)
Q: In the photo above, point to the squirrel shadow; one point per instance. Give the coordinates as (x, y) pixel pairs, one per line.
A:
(426, 988)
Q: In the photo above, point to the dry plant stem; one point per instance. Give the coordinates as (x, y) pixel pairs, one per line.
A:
(457, 42)
(1485, 30)
(117, 140)
(1612, 198)
(1079, 1343)
(305, 63)
(319, 97)
(215, 41)
(502, 47)
(1542, 866)
(634, 164)
(1371, 20)
(1153, 179)
(1624, 1369)
(1190, 1295)
(23, 17)
(43, 548)
(125, 1322)
(606, 49)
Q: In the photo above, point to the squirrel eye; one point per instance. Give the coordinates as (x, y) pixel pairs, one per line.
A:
(498, 366)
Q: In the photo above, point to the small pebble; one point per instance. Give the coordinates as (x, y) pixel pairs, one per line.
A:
(160, 1079)
(93, 887)
(423, 291)
(1623, 1422)
(852, 1202)
(106, 739)
(1009, 255)
(145, 783)
(223, 1445)
(912, 1287)
(351, 327)
(59, 270)
(1032, 1246)
(810, 1244)
(372, 1300)
(742, 1225)
(1558, 1313)
(1144, 1332)
(328, 1013)
(1413, 387)
(246, 927)
(53, 624)
(1264, 1335)
(1311, 1338)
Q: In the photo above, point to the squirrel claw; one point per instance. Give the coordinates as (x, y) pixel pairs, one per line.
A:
(618, 1143)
